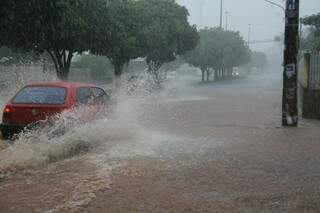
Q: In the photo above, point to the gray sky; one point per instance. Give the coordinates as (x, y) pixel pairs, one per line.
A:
(266, 20)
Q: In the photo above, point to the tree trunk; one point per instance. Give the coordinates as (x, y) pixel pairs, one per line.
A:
(117, 69)
(62, 62)
(228, 73)
(215, 75)
(202, 73)
(223, 74)
(208, 75)
(63, 73)
(219, 74)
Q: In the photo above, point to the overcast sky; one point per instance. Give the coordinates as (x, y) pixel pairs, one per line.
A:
(266, 20)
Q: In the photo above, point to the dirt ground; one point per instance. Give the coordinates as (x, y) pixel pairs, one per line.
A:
(228, 155)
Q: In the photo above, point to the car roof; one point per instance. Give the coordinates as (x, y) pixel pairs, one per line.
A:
(61, 84)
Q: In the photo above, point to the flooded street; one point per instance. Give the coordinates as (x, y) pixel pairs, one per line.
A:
(189, 148)
(159, 106)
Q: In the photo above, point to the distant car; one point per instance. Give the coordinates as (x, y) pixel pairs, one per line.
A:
(36, 102)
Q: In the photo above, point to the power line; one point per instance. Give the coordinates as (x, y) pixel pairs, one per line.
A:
(275, 4)
(265, 41)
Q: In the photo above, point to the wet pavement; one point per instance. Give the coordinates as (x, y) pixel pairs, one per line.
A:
(195, 148)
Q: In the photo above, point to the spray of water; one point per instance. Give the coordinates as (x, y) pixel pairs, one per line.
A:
(120, 134)
(66, 135)
(107, 142)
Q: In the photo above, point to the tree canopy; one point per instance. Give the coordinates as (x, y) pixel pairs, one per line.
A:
(118, 29)
(118, 37)
(313, 21)
(60, 27)
(218, 50)
(165, 32)
(312, 40)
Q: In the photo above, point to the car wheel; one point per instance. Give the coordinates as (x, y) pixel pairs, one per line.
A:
(6, 134)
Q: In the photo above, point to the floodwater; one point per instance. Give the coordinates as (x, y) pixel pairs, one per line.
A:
(131, 130)
(184, 125)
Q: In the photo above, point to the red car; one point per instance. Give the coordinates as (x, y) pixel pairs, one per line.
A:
(38, 101)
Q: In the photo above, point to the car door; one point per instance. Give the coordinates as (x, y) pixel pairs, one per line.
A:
(92, 102)
(84, 95)
(84, 109)
(100, 96)
(101, 101)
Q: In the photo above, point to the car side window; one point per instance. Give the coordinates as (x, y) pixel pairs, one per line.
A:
(100, 96)
(84, 95)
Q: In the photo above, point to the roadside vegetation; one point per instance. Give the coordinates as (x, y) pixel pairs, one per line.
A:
(121, 30)
(65, 34)
(311, 40)
(218, 52)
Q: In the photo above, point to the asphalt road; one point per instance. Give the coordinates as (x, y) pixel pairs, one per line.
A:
(191, 148)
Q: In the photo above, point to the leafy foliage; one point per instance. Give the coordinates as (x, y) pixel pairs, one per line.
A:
(118, 39)
(6, 17)
(218, 50)
(60, 27)
(118, 29)
(165, 32)
(314, 22)
(312, 40)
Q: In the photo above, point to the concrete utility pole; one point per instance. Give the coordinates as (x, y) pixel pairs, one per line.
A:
(227, 13)
(249, 33)
(221, 7)
(290, 75)
(200, 2)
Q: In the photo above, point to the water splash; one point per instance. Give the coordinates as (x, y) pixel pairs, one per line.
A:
(121, 134)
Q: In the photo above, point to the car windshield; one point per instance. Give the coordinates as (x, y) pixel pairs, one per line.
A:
(41, 95)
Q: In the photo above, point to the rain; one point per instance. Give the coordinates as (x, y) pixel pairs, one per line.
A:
(159, 106)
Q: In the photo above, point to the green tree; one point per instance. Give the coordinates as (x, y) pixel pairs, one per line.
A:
(314, 22)
(60, 27)
(204, 55)
(121, 26)
(165, 32)
(6, 17)
(235, 52)
(218, 51)
(312, 40)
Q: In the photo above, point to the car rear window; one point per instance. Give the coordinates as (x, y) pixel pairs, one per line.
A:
(41, 95)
